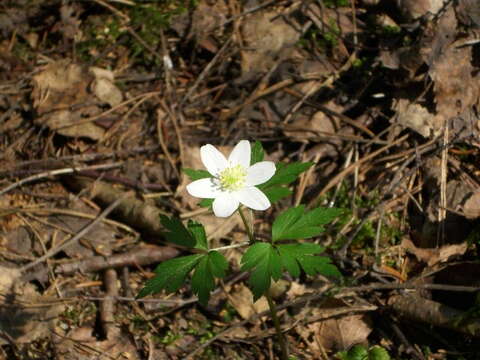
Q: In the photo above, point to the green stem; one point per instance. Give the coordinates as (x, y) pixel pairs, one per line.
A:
(271, 302)
(276, 323)
(247, 228)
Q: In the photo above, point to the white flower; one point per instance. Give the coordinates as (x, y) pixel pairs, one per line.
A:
(233, 181)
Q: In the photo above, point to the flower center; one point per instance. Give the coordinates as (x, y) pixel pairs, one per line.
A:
(233, 178)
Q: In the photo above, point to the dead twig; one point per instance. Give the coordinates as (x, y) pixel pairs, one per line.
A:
(77, 237)
(144, 255)
(64, 171)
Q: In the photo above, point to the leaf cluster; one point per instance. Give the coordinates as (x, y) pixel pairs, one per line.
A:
(171, 275)
(268, 261)
(360, 352)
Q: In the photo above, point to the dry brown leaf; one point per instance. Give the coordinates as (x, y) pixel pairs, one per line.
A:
(456, 88)
(241, 298)
(471, 209)
(206, 19)
(433, 256)
(468, 12)
(267, 37)
(81, 344)
(62, 99)
(321, 124)
(70, 26)
(415, 117)
(104, 88)
(25, 315)
(417, 8)
(337, 333)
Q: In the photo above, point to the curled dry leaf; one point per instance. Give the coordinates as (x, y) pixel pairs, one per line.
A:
(104, 88)
(241, 299)
(415, 117)
(433, 256)
(62, 99)
(25, 314)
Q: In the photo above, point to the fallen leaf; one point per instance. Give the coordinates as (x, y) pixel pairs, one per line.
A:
(417, 8)
(471, 209)
(267, 37)
(25, 314)
(320, 124)
(433, 256)
(81, 344)
(456, 88)
(63, 102)
(337, 333)
(241, 298)
(415, 117)
(104, 88)
(207, 19)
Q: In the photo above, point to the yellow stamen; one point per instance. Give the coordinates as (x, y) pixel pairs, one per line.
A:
(233, 178)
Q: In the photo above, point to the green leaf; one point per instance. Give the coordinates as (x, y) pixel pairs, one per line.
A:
(318, 265)
(358, 352)
(294, 224)
(257, 153)
(210, 266)
(285, 221)
(378, 353)
(196, 174)
(286, 173)
(303, 255)
(206, 203)
(264, 261)
(198, 232)
(170, 275)
(178, 233)
(276, 193)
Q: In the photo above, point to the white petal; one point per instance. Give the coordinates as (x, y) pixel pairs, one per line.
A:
(224, 205)
(213, 159)
(260, 172)
(204, 188)
(253, 198)
(240, 154)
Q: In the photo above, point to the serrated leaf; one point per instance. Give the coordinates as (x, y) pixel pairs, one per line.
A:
(177, 233)
(318, 265)
(285, 220)
(210, 266)
(196, 174)
(286, 173)
(378, 353)
(294, 224)
(198, 232)
(293, 256)
(276, 193)
(170, 275)
(264, 262)
(257, 153)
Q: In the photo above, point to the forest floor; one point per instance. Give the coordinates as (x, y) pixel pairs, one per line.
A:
(103, 103)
